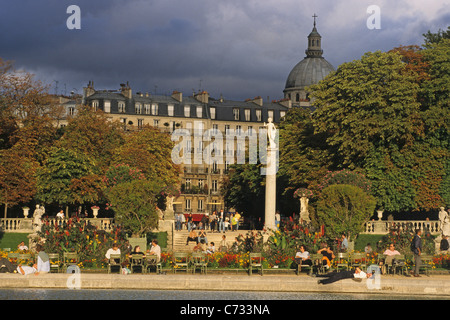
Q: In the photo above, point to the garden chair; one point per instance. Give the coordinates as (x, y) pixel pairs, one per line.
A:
(24, 258)
(151, 261)
(199, 260)
(399, 263)
(180, 261)
(427, 260)
(255, 262)
(115, 260)
(137, 260)
(54, 262)
(358, 260)
(317, 263)
(69, 259)
(342, 260)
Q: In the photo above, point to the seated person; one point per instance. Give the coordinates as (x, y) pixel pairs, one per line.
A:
(211, 249)
(302, 257)
(202, 236)
(136, 250)
(155, 250)
(192, 237)
(43, 261)
(328, 255)
(114, 250)
(200, 247)
(22, 247)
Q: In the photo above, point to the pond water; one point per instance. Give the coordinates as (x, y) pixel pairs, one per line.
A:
(109, 294)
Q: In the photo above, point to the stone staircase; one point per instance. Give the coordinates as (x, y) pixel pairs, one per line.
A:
(179, 243)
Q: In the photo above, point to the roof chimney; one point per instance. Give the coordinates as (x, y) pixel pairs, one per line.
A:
(177, 96)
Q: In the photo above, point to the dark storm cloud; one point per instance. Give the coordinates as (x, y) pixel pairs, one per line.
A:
(240, 49)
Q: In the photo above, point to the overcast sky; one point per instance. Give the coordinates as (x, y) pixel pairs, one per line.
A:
(238, 48)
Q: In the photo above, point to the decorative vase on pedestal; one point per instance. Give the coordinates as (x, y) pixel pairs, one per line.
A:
(26, 211)
(380, 214)
(95, 211)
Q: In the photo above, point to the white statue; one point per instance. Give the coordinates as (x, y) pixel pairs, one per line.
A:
(304, 212)
(37, 215)
(271, 133)
(446, 226)
(442, 215)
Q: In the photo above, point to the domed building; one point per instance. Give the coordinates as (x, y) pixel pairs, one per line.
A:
(309, 71)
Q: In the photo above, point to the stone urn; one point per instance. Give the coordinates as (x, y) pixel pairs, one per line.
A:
(26, 211)
(95, 211)
(380, 214)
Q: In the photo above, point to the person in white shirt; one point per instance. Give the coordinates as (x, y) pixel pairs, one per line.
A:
(43, 261)
(22, 246)
(303, 257)
(156, 250)
(114, 250)
(346, 274)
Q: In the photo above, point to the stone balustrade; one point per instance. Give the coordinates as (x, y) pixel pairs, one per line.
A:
(383, 227)
(24, 225)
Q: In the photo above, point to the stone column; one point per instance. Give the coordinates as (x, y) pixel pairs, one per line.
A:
(271, 188)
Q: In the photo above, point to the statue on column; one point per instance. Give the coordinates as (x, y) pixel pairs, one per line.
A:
(442, 215)
(271, 133)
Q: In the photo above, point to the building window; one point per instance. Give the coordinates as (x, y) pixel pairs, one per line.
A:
(200, 205)
(138, 108)
(122, 106)
(270, 114)
(212, 111)
(235, 113)
(155, 122)
(187, 111)
(187, 184)
(258, 115)
(146, 108)
(247, 114)
(170, 110)
(107, 106)
(238, 130)
(227, 128)
(282, 114)
(154, 109)
(95, 105)
(140, 123)
(71, 111)
(199, 112)
(188, 204)
(215, 186)
(250, 131)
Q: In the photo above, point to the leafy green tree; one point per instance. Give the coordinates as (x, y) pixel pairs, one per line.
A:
(243, 189)
(68, 177)
(344, 209)
(134, 204)
(92, 133)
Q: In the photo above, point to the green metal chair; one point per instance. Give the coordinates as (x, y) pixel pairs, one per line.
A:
(180, 261)
(255, 262)
(55, 262)
(115, 260)
(199, 261)
(151, 261)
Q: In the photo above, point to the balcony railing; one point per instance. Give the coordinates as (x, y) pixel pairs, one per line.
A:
(383, 227)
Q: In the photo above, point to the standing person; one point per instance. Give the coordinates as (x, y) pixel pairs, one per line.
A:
(277, 220)
(221, 218)
(212, 221)
(60, 217)
(344, 243)
(416, 247)
(346, 274)
(178, 221)
(190, 222)
(237, 217)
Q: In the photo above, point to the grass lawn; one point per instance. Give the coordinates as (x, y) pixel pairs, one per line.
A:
(364, 239)
(11, 240)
